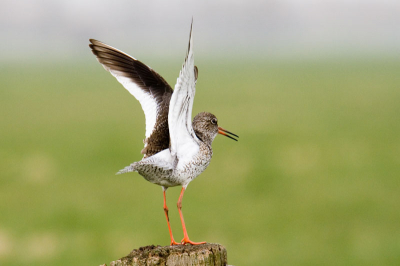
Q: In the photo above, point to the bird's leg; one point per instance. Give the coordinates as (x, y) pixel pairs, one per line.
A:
(166, 215)
(185, 239)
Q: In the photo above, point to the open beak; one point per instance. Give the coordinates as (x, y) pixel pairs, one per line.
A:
(226, 132)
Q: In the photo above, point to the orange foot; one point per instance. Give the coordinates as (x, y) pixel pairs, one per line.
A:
(173, 243)
(188, 241)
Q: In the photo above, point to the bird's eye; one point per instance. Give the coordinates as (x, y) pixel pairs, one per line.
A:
(214, 121)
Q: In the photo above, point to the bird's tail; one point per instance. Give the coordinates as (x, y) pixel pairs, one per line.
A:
(127, 169)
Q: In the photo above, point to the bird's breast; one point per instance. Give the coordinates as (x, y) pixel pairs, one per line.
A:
(189, 168)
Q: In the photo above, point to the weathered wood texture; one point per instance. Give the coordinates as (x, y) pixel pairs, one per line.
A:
(207, 255)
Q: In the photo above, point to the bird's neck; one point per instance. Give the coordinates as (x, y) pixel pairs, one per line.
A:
(203, 138)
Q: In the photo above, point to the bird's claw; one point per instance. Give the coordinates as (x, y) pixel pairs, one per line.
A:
(188, 241)
(174, 243)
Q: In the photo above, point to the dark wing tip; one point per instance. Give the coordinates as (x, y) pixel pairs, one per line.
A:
(190, 35)
(93, 42)
(196, 72)
(122, 64)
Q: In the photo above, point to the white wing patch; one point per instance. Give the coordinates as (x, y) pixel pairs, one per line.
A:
(163, 160)
(148, 103)
(183, 139)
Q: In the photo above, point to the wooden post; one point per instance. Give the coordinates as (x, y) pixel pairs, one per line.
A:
(207, 255)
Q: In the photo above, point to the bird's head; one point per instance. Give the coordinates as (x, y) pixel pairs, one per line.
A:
(205, 125)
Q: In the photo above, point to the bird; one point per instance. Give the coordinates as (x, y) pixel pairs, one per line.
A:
(176, 149)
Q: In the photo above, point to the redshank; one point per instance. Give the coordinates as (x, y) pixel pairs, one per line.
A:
(176, 150)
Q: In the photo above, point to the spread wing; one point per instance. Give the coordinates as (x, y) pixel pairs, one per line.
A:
(148, 87)
(183, 139)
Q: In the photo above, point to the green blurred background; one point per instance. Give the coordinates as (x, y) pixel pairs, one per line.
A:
(313, 180)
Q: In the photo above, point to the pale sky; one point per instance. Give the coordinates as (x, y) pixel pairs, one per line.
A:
(47, 28)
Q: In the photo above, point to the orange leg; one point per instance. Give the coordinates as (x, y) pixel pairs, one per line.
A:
(185, 239)
(166, 215)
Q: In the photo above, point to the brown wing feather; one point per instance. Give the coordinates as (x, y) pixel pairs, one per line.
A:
(149, 81)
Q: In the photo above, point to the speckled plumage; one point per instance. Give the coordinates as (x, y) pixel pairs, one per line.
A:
(157, 170)
(176, 150)
(182, 176)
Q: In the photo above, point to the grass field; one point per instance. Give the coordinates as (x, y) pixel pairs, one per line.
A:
(313, 180)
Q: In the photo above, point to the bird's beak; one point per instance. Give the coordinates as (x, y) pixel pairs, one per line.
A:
(226, 132)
